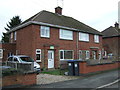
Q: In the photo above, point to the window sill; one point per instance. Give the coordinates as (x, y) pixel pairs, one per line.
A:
(65, 59)
(84, 41)
(45, 37)
(66, 39)
(97, 42)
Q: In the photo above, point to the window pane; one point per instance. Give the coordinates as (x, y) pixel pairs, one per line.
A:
(15, 59)
(45, 31)
(68, 55)
(83, 36)
(96, 38)
(61, 54)
(80, 54)
(37, 56)
(87, 55)
(1, 53)
(10, 59)
(65, 34)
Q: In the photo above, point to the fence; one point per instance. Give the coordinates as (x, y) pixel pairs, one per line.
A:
(23, 66)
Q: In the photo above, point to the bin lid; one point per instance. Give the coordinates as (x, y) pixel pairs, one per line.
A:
(73, 60)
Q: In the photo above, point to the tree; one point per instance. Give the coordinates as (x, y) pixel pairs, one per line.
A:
(15, 21)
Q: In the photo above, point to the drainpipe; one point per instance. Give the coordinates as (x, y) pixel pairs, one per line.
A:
(77, 44)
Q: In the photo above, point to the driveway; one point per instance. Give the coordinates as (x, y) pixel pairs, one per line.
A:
(84, 82)
(47, 78)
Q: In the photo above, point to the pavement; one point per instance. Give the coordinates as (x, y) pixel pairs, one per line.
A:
(92, 82)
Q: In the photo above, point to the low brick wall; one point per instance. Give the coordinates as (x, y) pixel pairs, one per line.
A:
(19, 80)
(85, 69)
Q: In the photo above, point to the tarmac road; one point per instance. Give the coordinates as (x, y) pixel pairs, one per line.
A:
(91, 82)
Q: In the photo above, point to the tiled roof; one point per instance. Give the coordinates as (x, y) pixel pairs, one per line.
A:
(61, 20)
(111, 32)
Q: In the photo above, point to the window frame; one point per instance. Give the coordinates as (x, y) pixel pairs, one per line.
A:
(64, 54)
(86, 55)
(96, 39)
(1, 52)
(80, 52)
(85, 39)
(46, 31)
(15, 35)
(39, 54)
(65, 37)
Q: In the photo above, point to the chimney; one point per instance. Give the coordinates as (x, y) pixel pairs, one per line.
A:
(58, 10)
(116, 25)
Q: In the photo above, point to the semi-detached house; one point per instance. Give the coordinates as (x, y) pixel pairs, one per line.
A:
(52, 39)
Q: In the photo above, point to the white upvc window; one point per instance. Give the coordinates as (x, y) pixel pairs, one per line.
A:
(96, 38)
(11, 36)
(15, 35)
(66, 34)
(66, 54)
(83, 36)
(1, 53)
(80, 54)
(38, 55)
(87, 54)
(45, 31)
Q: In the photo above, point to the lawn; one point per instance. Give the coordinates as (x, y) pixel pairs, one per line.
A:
(55, 72)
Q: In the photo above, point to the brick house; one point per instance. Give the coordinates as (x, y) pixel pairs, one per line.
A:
(111, 40)
(52, 38)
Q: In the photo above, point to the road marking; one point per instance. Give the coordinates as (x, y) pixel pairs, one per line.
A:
(108, 84)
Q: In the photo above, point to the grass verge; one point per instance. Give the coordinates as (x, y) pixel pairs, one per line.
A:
(55, 72)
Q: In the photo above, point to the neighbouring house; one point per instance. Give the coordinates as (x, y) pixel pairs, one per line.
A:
(52, 38)
(111, 41)
(7, 49)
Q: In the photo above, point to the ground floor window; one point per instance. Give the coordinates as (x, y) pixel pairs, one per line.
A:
(1, 53)
(66, 54)
(10, 54)
(87, 54)
(84, 54)
(38, 55)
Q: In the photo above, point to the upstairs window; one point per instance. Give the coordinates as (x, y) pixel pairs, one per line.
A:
(15, 35)
(83, 37)
(45, 31)
(66, 34)
(11, 36)
(96, 38)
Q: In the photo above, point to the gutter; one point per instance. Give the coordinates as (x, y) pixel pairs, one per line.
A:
(46, 24)
(40, 23)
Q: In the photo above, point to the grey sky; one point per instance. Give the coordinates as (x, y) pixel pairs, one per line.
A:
(99, 14)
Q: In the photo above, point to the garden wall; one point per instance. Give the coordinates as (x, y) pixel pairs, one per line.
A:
(19, 80)
(84, 68)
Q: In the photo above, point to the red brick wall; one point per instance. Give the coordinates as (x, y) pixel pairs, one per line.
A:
(84, 68)
(28, 40)
(7, 48)
(28, 79)
(24, 41)
(111, 45)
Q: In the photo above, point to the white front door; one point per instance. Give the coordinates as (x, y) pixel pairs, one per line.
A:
(50, 59)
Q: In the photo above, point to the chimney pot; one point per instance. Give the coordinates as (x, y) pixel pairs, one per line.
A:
(58, 10)
(116, 25)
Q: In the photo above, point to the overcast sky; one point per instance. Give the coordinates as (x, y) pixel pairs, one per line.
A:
(99, 14)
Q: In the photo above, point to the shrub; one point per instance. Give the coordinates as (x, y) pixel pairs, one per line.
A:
(11, 71)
